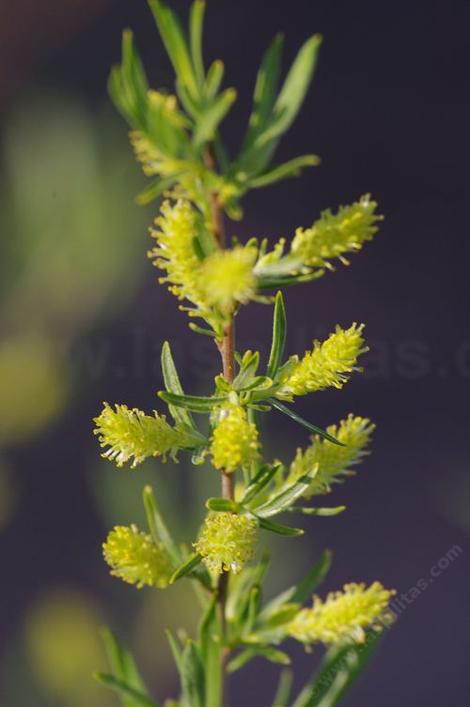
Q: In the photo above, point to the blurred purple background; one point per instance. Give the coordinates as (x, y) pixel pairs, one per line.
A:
(388, 113)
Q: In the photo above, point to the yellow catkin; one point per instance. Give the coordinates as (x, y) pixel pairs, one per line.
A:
(227, 542)
(343, 616)
(136, 559)
(234, 441)
(328, 364)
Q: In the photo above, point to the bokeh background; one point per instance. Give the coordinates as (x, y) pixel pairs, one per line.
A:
(82, 320)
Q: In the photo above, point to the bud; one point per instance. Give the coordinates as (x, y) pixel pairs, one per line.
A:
(343, 616)
(136, 559)
(227, 542)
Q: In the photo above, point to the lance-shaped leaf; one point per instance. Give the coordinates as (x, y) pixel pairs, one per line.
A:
(281, 698)
(173, 385)
(210, 641)
(157, 526)
(248, 367)
(259, 482)
(286, 498)
(128, 84)
(195, 403)
(323, 512)
(301, 421)
(339, 670)
(278, 337)
(274, 655)
(129, 695)
(126, 679)
(214, 78)
(279, 529)
(223, 505)
(187, 567)
(265, 90)
(292, 168)
(212, 116)
(156, 189)
(176, 45)
(299, 593)
(196, 25)
(192, 676)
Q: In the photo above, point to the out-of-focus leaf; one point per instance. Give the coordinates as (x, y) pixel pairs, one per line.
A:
(274, 655)
(224, 505)
(323, 512)
(125, 670)
(156, 189)
(338, 672)
(129, 695)
(192, 677)
(157, 526)
(212, 116)
(283, 691)
(214, 78)
(176, 44)
(292, 168)
(196, 24)
(211, 653)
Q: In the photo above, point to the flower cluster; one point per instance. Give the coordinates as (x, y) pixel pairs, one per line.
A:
(332, 460)
(136, 559)
(343, 616)
(131, 434)
(227, 542)
(234, 441)
(333, 235)
(327, 365)
(226, 277)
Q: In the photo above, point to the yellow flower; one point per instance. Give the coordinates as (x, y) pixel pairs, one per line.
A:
(330, 459)
(343, 616)
(234, 441)
(227, 542)
(327, 365)
(335, 234)
(136, 559)
(226, 277)
(177, 227)
(133, 434)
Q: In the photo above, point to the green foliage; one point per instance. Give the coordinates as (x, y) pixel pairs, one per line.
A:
(178, 140)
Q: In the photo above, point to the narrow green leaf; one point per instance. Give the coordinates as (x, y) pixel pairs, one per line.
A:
(279, 529)
(214, 78)
(156, 189)
(223, 505)
(123, 666)
(157, 526)
(196, 24)
(317, 574)
(211, 653)
(173, 385)
(187, 567)
(279, 335)
(339, 670)
(294, 89)
(192, 676)
(313, 428)
(259, 482)
(292, 168)
(284, 688)
(323, 512)
(124, 690)
(195, 403)
(274, 655)
(175, 43)
(265, 90)
(175, 650)
(248, 368)
(212, 116)
(286, 498)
